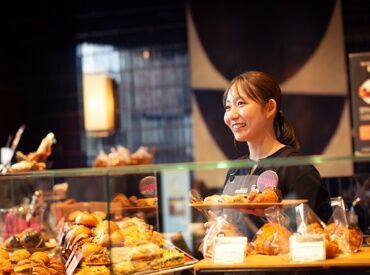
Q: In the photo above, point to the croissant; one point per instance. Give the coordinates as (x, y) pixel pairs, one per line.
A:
(272, 239)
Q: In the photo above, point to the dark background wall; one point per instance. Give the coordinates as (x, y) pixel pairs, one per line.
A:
(38, 64)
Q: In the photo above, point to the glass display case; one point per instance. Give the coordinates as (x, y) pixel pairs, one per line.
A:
(150, 218)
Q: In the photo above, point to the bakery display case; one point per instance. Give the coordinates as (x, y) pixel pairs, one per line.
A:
(150, 219)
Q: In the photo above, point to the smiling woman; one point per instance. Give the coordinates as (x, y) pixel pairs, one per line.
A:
(253, 113)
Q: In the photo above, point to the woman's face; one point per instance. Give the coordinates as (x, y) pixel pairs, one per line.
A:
(247, 119)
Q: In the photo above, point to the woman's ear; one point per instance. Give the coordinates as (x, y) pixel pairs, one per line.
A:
(271, 108)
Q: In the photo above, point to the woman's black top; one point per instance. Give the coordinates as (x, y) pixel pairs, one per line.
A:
(295, 182)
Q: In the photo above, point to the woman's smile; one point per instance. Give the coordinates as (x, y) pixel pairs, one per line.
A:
(237, 127)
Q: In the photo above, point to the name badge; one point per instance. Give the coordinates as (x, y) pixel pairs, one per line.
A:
(230, 250)
(307, 247)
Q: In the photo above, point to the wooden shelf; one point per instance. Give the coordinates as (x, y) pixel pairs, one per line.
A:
(360, 259)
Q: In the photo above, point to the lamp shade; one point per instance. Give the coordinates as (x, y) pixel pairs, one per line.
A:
(98, 102)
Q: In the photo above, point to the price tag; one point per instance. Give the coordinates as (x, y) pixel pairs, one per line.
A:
(61, 232)
(76, 259)
(69, 260)
(230, 250)
(307, 247)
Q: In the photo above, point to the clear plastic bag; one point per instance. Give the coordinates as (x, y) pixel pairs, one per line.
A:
(219, 227)
(309, 223)
(273, 237)
(343, 228)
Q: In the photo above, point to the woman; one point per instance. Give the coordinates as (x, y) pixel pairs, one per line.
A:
(253, 113)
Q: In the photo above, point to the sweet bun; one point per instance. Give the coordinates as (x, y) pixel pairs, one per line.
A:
(72, 216)
(86, 219)
(105, 227)
(19, 255)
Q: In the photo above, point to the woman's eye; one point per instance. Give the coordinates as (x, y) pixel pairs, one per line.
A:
(227, 108)
(240, 103)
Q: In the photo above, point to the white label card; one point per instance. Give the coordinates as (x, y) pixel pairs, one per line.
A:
(307, 247)
(230, 250)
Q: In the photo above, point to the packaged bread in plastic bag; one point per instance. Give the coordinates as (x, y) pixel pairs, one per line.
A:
(273, 237)
(309, 223)
(343, 228)
(220, 227)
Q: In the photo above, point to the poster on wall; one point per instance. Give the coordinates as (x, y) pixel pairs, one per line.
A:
(360, 94)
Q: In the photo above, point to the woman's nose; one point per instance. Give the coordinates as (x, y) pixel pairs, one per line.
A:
(234, 113)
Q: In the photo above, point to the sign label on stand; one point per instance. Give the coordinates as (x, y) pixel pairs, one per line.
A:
(230, 250)
(307, 247)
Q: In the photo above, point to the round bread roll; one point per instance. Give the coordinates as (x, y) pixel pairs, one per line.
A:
(40, 256)
(86, 219)
(72, 216)
(105, 227)
(19, 255)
